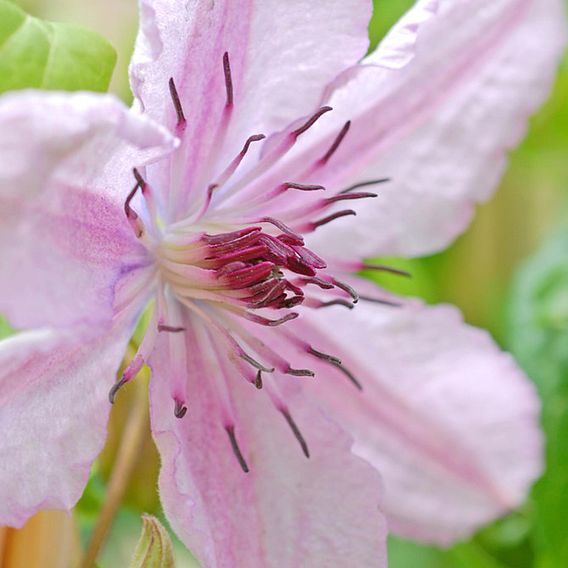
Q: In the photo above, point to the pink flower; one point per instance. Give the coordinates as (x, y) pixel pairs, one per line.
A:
(246, 239)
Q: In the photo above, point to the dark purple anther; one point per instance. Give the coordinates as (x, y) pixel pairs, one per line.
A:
(228, 79)
(296, 431)
(332, 217)
(336, 143)
(337, 364)
(311, 121)
(343, 303)
(236, 450)
(349, 196)
(364, 184)
(382, 302)
(115, 388)
(250, 140)
(170, 329)
(299, 372)
(302, 187)
(177, 103)
(246, 357)
(180, 410)
(130, 213)
(349, 289)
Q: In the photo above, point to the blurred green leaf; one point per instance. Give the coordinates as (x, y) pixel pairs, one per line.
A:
(154, 549)
(538, 336)
(39, 54)
(5, 329)
(385, 14)
(405, 554)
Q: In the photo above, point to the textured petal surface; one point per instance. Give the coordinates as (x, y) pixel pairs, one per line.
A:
(281, 56)
(439, 126)
(66, 169)
(448, 419)
(53, 413)
(288, 511)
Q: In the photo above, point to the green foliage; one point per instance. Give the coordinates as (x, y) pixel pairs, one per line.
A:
(5, 329)
(45, 55)
(538, 336)
(385, 14)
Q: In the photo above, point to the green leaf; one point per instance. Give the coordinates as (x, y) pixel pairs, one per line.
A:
(5, 329)
(154, 549)
(538, 336)
(403, 554)
(46, 55)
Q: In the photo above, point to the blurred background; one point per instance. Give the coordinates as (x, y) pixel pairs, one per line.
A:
(508, 273)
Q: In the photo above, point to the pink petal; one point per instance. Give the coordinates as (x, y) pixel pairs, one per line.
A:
(448, 419)
(66, 171)
(287, 511)
(440, 127)
(281, 57)
(53, 412)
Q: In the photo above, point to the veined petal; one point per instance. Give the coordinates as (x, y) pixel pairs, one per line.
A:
(439, 127)
(448, 419)
(67, 164)
(281, 56)
(53, 412)
(288, 510)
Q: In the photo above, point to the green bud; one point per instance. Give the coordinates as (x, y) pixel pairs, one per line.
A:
(154, 549)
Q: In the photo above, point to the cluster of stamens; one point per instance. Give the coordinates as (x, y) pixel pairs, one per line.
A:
(258, 269)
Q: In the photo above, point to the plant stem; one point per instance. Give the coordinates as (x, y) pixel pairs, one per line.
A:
(126, 460)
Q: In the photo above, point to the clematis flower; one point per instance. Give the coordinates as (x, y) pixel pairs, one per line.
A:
(282, 384)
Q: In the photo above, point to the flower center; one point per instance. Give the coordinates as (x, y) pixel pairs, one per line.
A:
(238, 260)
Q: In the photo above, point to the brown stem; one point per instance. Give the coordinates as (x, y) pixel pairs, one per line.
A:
(126, 460)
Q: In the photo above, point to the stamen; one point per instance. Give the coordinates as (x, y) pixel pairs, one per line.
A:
(337, 302)
(169, 328)
(323, 284)
(246, 357)
(236, 450)
(115, 388)
(139, 179)
(130, 372)
(250, 140)
(133, 219)
(179, 410)
(382, 302)
(384, 268)
(350, 290)
(295, 237)
(349, 196)
(364, 184)
(337, 364)
(311, 121)
(330, 218)
(127, 209)
(271, 323)
(232, 167)
(302, 187)
(324, 356)
(299, 372)
(336, 143)
(258, 380)
(177, 104)
(228, 78)
(296, 431)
